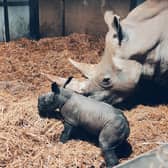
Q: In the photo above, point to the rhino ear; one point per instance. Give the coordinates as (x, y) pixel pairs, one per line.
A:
(117, 26)
(108, 17)
(55, 88)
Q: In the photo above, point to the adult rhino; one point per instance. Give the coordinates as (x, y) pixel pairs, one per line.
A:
(135, 48)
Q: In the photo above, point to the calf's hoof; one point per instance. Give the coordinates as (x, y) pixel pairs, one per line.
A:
(110, 158)
(64, 138)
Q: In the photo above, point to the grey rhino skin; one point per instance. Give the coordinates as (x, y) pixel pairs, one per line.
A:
(98, 118)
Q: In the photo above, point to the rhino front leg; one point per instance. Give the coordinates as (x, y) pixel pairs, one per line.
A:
(66, 133)
(108, 145)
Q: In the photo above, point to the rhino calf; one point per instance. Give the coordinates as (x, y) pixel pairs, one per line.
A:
(98, 118)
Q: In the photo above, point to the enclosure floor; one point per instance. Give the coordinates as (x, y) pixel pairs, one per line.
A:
(26, 140)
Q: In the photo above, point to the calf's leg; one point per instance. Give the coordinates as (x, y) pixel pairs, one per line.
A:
(66, 132)
(110, 157)
(108, 142)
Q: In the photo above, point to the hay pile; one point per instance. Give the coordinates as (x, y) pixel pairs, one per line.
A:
(26, 140)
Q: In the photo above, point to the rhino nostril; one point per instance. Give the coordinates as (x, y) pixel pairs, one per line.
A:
(106, 80)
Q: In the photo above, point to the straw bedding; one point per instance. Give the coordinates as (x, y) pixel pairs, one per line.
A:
(26, 140)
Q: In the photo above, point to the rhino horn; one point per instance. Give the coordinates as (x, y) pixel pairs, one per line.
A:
(52, 78)
(88, 70)
(75, 85)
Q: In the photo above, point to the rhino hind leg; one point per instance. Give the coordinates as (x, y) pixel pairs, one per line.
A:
(67, 132)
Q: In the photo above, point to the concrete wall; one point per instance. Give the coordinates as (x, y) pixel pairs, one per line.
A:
(18, 21)
(62, 17)
(81, 16)
(134, 3)
(51, 17)
(87, 16)
(2, 28)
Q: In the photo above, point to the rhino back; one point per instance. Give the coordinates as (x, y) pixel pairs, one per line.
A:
(89, 114)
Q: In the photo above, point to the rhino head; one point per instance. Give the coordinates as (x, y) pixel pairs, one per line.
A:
(113, 78)
(112, 81)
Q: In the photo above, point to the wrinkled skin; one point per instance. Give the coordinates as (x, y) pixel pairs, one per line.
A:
(106, 122)
(135, 48)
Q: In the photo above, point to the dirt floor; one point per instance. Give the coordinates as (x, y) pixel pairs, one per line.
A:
(26, 140)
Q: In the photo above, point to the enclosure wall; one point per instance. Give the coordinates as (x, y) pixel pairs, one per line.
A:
(62, 17)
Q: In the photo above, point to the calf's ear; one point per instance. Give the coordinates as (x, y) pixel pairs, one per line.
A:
(55, 88)
(117, 26)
